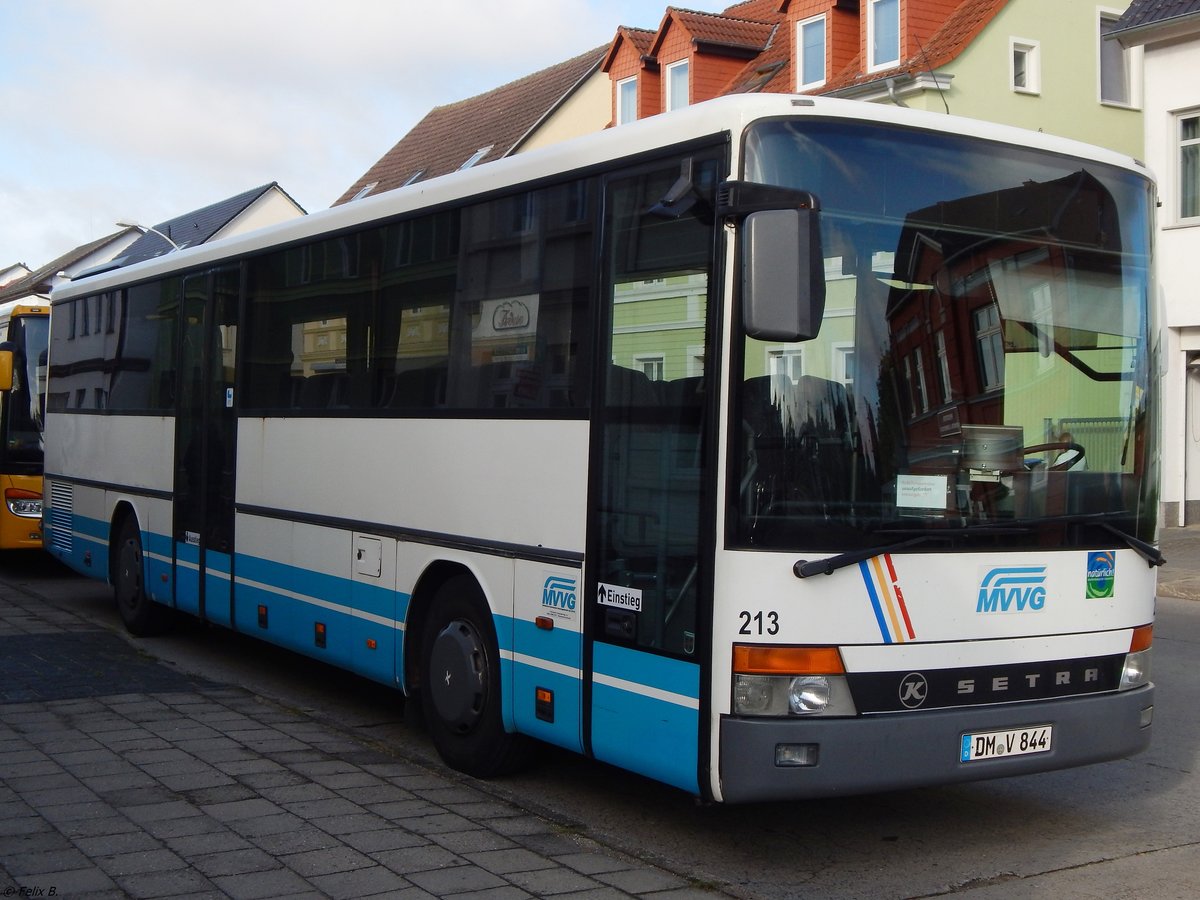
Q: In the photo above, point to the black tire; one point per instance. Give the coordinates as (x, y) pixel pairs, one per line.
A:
(141, 615)
(460, 684)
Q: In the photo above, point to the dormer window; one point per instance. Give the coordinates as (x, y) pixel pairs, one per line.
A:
(677, 85)
(810, 43)
(883, 33)
(476, 157)
(627, 100)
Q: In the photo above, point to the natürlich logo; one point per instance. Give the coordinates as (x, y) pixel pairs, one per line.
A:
(1101, 574)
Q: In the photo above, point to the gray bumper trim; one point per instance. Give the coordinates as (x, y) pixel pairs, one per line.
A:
(891, 752)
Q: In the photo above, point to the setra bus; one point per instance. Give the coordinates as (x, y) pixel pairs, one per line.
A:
(775, 447)
(25, 332)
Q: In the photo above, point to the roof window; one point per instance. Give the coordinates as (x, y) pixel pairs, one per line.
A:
(476, 156)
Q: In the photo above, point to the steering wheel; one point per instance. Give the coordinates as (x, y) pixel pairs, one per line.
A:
(1060, 447)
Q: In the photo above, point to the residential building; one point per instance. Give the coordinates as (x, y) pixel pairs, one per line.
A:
(1168, 32)
(35, 285)
(11, 273)
(1038, 65)
(563, 101)
(256, 208)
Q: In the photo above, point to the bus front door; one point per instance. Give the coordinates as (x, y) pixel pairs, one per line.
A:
(647, 577)
(205, 430)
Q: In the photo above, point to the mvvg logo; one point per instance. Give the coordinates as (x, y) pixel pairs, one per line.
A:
(1012, 589)
(559, 593)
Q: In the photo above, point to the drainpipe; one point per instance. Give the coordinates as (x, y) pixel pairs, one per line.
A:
(891, 89)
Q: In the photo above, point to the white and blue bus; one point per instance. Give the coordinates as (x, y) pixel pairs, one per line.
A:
(776, 447)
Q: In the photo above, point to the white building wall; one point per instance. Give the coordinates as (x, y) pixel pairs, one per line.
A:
(1168, 93)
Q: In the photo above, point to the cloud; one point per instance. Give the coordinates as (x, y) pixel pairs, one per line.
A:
(144, 109)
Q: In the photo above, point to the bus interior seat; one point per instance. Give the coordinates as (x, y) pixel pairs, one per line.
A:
(324, 390)
(416, 388)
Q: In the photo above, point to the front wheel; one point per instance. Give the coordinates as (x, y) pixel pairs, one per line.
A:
(141, 615)
(461, 684)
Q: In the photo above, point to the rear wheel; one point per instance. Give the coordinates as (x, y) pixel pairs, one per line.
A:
(141, 615)
(461, 684)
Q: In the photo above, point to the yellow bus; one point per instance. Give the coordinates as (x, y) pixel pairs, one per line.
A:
(25, 327)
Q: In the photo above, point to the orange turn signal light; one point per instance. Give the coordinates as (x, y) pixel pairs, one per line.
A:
(760, 659)
(1142, 638)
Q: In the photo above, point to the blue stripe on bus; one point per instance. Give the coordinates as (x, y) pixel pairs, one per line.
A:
(558, 645)
(660, 672)
(876, 604)
(296, 599)
(632, 728)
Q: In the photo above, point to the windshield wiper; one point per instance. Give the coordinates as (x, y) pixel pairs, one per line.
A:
(806, 568)
(1151, 554)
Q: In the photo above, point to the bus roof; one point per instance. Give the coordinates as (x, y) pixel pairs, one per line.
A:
(713, 117)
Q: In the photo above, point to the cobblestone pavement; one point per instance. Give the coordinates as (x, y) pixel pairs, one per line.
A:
(1180, 577)
(120, 777)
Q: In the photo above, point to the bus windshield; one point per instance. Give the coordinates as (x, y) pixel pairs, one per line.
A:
(983, 372)
(23, 411)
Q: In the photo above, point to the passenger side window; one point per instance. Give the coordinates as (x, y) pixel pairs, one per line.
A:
(478, 309)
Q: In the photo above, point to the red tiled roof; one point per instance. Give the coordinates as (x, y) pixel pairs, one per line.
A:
(640, 38)
(725, 31)
(944, 46)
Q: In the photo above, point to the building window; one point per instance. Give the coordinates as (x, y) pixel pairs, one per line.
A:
(843, 363)
(989, 343)
(810, 39)
(1115, 79)
(677, 85)
(653, 367)
(883, 33)
(627, 100)
(943, 367)
(1025, 66)
(787, 361)
(1189, 167)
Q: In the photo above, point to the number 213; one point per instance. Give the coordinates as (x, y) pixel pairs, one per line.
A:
(759, 622)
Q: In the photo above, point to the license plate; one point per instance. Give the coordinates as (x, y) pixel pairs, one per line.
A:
(1013, 742)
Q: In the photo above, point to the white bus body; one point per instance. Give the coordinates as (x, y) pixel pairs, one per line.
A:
(549, 461)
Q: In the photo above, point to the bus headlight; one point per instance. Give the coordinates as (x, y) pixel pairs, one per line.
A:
(792, 695)
(26, 504)
(1137, 661)
(789, 681)
(809, 694)
(1136, 671)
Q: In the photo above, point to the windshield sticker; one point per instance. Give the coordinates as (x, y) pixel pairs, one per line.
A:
(1101, 574)
(887, 600)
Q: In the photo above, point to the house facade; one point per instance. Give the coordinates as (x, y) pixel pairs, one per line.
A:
(1168, 32)
(1019, 62)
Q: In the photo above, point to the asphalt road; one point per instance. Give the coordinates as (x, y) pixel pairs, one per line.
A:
(1119, 830)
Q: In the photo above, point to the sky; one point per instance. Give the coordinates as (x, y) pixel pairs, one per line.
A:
(143, 110)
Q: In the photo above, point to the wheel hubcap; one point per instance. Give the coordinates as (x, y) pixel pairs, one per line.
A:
(458, 675)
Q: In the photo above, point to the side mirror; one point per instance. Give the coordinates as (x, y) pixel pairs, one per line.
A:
(6, 367)
(783, 274)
